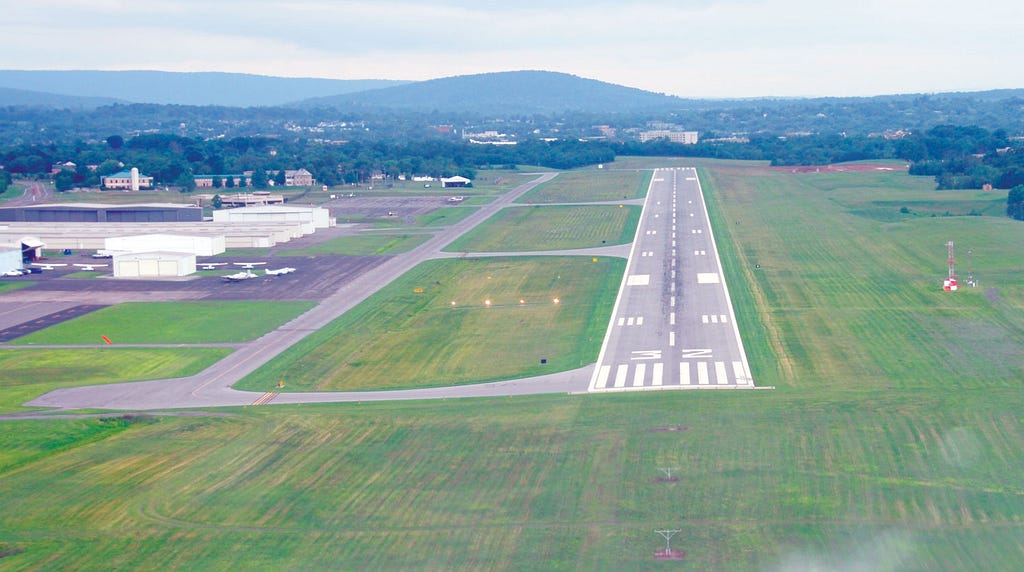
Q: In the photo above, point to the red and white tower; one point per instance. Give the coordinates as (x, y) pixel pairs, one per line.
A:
(949, 284)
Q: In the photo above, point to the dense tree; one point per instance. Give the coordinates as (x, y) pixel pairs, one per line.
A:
(217, 202)
(115, 141)
(1015, 203)
(64, 180)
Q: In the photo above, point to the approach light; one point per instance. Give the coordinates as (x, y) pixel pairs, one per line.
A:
(521, 301)
(556, 300)
(487, 302)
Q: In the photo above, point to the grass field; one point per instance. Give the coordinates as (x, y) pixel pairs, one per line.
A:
(29, 373)
(403, 338)
(171, 323)
(363, 245)
(521, 229)
(14, 284)
(591, 185)
(895, 439)
(768, 481)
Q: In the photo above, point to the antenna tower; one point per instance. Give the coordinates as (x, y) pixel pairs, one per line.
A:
(949, 283)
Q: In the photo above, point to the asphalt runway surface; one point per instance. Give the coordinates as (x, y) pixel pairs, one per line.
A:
(349, 286)
(673, 326)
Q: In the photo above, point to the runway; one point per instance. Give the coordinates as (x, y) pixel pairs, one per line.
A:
(673, 326)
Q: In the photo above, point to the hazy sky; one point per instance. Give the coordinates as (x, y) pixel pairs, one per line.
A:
(690, 48)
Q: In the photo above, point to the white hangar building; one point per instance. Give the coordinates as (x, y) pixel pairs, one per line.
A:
(310, 217)
(154, 264)
(196, 245)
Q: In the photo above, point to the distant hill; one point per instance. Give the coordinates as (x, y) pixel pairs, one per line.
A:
(198, 88)
(28, 98)
(504, 92)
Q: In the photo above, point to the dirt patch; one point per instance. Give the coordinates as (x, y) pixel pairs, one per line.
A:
(669, 554)
(992, 294)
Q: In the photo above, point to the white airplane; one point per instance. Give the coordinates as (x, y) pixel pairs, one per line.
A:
(47, 265)
(279, 271)
(238, 277)
(249, 265)
(90, 267)
(212, 265)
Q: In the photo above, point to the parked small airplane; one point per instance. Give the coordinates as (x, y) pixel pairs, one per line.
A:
(212, 265)
(249, 265)
(279, 271)
(46, 265)
(90, 267)
(238, 277)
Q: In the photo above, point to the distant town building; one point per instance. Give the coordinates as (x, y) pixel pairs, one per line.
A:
(684, 137)
(298, 178)
(127, 181)
(206, 181)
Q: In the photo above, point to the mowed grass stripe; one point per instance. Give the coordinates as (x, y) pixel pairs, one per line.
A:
(171, 323)
(403, 338)
(523, 229)
(590, 186)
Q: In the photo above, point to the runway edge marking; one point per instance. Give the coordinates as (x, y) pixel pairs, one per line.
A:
(725, 285)
(622, 284)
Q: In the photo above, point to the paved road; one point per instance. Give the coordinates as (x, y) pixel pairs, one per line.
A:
(673, 326)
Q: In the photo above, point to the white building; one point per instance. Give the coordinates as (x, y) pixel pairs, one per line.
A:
(310, 217)
(154, 264)
(196, 245)
(684, 137)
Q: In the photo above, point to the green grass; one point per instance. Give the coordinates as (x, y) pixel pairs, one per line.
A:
(10, 286)
(171, 323)
(401, 338)
(362, 245)
(591, 185)
(29, 373)
(520, 229)
(768, 481)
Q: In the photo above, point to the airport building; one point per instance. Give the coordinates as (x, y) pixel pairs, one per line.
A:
(196, 245)
(154, 264)
(310, 217)
(10, 258)
(91, 212)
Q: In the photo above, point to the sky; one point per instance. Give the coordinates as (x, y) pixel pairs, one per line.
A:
(688, 48)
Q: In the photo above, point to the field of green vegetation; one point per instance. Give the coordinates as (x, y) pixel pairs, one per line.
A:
(29, 373)
(171, 323)
(591, 185)
(474, 320)
(894, 439)
(362, 245)
(14, 285)
(523, 229)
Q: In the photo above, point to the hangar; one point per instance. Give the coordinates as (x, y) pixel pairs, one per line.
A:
(93, 212)
(197, 245)
(10, 258)
(310, 217)
(154, 264)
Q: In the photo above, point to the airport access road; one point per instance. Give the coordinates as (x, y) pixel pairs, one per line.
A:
(673, 326)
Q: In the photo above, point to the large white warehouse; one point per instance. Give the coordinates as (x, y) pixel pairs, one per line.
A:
(154, 264)
(310, 217)
(196, 245)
